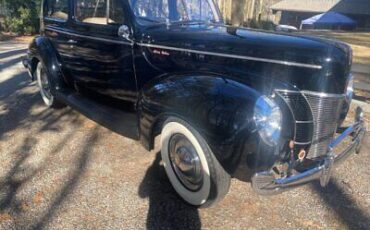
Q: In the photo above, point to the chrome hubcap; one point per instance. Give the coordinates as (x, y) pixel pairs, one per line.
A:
(185, 162)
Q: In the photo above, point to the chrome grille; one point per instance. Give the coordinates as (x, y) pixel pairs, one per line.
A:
(325, 111)
(314, 113)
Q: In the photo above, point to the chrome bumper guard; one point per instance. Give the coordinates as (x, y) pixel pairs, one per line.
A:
(265, 183)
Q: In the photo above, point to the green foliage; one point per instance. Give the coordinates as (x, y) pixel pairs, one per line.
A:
(23, 16)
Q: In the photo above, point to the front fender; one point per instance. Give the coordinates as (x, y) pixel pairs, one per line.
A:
(41, 49)
(219, 108)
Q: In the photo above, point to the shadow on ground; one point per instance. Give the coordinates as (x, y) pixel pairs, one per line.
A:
(18, 99)
(166, 209)
(342, 205)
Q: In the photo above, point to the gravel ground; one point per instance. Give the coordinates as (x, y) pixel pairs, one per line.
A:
(59, 170)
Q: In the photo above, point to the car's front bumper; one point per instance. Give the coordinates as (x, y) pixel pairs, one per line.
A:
(266, 184)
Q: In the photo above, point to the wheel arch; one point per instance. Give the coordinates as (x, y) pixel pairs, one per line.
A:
(221, 109)
(41, 49)
(155, 128)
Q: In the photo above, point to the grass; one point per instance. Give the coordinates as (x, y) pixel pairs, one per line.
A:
(359, 41)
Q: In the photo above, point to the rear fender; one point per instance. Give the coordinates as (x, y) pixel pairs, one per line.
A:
(41, 49)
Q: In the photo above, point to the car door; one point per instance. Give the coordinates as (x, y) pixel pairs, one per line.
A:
(55, 24)
(103, 60)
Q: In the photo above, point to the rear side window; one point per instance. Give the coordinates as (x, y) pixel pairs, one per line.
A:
(102, 12)
(57, 9)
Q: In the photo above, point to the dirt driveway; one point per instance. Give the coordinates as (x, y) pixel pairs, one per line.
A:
(59, 170)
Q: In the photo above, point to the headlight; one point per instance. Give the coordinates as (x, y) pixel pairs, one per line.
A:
(268, 117)
(349, 92)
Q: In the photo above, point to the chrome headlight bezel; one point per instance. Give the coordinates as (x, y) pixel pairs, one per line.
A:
(268, 119)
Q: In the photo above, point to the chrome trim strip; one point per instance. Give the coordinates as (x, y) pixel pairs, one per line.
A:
(319, 94)
(249, 58)
(302, 143)
(287, 91)
(288, 63)
(88, 37)
(303, 122)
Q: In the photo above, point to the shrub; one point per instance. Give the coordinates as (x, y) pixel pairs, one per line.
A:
(23, 16)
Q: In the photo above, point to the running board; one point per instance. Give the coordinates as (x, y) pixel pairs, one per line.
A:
(116, 120)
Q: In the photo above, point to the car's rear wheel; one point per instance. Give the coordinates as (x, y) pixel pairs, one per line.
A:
(45, 86)
(191, 167)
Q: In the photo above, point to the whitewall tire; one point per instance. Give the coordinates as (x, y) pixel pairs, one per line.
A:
(45, 87)
(191, 167)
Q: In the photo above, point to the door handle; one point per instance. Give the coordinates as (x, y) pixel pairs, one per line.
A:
(71, 41)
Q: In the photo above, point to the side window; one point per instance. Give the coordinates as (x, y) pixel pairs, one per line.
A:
(116, 12)
(100, 12)
(205, 13)
(57, 9)
(173, 10)
(155, 10)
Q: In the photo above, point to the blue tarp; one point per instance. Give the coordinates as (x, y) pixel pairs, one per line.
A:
(328, 19)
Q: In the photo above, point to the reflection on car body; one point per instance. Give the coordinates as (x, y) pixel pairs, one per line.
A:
(222, 98)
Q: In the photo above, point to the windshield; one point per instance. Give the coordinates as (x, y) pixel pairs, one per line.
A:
(171, 11)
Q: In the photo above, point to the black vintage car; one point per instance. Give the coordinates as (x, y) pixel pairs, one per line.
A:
(228, 102)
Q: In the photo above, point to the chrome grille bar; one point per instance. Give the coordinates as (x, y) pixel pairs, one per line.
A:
(316, 113)
(325, 110)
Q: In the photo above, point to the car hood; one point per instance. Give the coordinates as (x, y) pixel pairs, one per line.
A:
(330, 58)
(241, 41)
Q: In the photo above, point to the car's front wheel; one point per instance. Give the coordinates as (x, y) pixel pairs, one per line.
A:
(191, 167)
(45, 85)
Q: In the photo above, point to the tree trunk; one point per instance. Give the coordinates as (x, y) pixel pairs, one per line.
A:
(237, 16)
